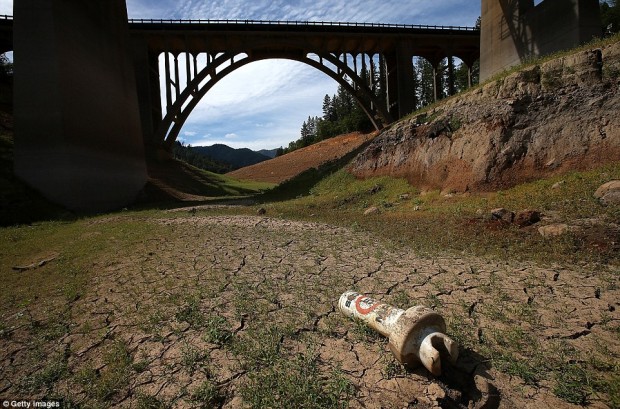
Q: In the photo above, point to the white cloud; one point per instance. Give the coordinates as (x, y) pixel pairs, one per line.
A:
(189, 133)
(231, 136)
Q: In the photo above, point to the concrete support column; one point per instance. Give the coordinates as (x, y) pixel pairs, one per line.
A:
(437, 81)
(149, 97)
(400, 83)
(78, 138)
(515, 30)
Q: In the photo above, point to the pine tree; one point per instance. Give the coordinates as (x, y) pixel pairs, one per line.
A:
(305, 135)
(328, 109)
(426, 81)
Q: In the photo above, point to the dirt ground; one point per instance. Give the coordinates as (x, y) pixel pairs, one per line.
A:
(219, 311)
(285, 167)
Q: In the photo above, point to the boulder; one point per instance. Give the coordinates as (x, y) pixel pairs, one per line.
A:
(606, 188)
(609, 193)
(371, 210)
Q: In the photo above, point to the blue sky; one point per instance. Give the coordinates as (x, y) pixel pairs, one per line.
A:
(263, 104)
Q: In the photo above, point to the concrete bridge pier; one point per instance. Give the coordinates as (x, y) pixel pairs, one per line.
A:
(78, 137)
(400, 82)
(146, 64)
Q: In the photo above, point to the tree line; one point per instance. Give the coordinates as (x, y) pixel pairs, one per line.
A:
(185, 153)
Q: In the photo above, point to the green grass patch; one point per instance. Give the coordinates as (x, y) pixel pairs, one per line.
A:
(295, 383)
(431, 223)
(207, 395)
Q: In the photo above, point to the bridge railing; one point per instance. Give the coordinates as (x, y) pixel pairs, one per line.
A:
(298, 23)
(286, 23)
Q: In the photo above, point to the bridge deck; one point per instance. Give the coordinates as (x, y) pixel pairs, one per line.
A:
(242, 36)
(238, 35)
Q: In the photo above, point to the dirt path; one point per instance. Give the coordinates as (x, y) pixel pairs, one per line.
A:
(227, 311)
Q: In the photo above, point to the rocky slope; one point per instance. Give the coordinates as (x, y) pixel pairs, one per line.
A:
(549, 118)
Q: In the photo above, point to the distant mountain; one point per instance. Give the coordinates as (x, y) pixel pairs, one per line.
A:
(188, 155)
(236, 158)
(268, 152)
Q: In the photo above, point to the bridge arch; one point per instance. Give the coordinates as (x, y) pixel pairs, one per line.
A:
(181, 103)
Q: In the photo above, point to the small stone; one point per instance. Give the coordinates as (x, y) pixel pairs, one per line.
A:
(404, 196)
(375, 189)
(559, 184)
(527, 218)
(261, 211)
(371, 210)
(553, 230)
(502, 214)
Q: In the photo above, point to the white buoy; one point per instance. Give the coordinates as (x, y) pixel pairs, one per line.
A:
(416, 335)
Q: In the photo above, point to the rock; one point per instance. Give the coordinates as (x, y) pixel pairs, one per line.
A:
(435, 392)
(261, 211)
(608, 193)
(559, 184)
(611, 198)
(502, 214)
(554, 230)
(375, 189)
(606, 188)
(527, 218)
(371, 210)
(404, 196)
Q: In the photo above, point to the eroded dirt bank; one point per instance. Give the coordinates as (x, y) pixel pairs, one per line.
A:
(221, 310)
(555, 117)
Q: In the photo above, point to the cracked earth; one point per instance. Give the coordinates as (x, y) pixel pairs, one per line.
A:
(218, 300)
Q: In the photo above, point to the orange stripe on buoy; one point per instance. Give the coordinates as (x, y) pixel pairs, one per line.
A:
(363, 310)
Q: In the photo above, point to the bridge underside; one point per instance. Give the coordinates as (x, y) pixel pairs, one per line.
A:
(352, 56)
(87, 95)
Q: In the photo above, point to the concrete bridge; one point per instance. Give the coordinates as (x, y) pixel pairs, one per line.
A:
(87, 98)
(343, 51)
(347, 52)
